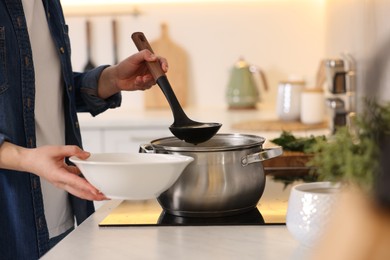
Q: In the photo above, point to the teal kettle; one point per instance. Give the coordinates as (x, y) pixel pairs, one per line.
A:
(243, 90)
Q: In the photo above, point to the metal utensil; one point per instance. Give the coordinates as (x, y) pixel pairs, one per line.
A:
(183, 127)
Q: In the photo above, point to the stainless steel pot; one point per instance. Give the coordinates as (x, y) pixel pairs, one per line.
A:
(226, 177)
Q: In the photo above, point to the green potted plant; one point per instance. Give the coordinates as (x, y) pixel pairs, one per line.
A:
(352, 155)
(358, 158)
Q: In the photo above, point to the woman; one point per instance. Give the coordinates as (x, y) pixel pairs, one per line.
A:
(40, 195)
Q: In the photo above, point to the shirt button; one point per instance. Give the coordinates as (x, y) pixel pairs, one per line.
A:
(19, 21)
(40, 223)
(70, 88)
(35, 184)
(28, 102)
(76, 124)
(62, 50)
(26, 61)
(30, 142)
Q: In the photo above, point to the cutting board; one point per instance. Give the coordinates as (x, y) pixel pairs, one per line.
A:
(289, 164)
(277, 125)
(177, 73)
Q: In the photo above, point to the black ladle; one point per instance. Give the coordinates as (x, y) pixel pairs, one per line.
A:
(182, 127)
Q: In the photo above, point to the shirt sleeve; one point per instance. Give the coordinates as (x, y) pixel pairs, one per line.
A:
(87, 99)
(3, 138)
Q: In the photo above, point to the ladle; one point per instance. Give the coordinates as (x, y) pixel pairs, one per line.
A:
(183, 127)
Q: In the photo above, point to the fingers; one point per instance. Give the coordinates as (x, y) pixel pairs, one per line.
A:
(53, 168)
(78, 186)
(131, 74)
(71, 150)
(82, 155)
(68, 176)
(144, 82)
(73, 169)
(149, 56)
(164, 64)
(87, 194)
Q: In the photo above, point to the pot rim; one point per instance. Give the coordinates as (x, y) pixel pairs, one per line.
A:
(251, 141)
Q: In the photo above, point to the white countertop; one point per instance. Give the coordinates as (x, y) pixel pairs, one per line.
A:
(89, 241)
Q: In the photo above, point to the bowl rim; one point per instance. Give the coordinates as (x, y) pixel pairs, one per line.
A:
(174, 158)
(309, 186)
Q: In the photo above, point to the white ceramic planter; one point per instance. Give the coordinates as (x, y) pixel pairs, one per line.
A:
(309, 208)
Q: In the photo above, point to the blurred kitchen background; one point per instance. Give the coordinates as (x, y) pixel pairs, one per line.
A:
(285, 38)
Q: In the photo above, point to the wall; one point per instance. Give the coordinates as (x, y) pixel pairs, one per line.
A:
(282, 37)
(359, 27)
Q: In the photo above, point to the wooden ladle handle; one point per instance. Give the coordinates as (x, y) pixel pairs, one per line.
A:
(142, 43)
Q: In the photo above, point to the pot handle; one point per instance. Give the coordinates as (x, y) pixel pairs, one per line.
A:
(265, 154)
(146, 148)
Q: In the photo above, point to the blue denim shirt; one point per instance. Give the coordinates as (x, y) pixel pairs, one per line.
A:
(23, 230)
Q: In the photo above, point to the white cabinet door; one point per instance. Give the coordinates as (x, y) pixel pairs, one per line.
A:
(92, 140)
(130, 140)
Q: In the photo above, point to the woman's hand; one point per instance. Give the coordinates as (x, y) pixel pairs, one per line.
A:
(130, 74)
(48, 162)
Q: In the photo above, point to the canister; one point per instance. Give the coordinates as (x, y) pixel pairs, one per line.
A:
(312, 106)
(288, 103)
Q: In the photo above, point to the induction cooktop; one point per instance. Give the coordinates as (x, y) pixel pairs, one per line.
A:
(271, 210)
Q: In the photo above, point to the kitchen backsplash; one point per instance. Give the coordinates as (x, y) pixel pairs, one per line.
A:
(359, 27)
(283, 38)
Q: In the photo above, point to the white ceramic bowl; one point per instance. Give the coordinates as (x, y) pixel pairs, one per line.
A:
(308, 210)
(132, 176)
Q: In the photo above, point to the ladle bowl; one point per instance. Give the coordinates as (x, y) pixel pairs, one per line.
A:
(183, 127)
(196, 133)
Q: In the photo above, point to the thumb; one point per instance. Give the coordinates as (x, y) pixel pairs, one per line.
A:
(147, 55)
(83, 155)
(73, 150)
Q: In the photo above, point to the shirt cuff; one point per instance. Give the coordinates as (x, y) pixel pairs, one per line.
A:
(3, 138)
(90, 96)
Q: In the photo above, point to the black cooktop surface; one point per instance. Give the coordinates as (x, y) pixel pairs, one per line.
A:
(250, 217)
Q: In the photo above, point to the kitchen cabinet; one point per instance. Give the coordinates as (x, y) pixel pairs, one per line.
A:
(129, 140)
(119, 130)
(92, 140)
(101, 140)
